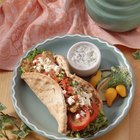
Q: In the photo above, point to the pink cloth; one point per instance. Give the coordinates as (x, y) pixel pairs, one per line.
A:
(24, 23)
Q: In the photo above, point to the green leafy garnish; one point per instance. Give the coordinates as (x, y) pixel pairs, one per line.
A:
(33, 53)
(10, 121)
(26, 64)
(136, 54)
(92, 128)
(119, 75)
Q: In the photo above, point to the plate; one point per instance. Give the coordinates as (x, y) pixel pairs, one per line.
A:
(34, 113)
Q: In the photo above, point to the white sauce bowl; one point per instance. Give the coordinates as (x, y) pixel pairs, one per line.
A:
(84, 58)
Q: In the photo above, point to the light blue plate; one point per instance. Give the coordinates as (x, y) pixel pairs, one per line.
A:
(34, 113)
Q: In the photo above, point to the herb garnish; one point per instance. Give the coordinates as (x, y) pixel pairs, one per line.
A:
(33, 53)
(7, 121)
(136, 54)
(119, 75)
(74, 83)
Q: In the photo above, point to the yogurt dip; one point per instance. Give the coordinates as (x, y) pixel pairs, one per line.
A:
(84, 58)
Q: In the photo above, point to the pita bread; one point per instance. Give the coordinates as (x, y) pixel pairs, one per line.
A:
(50, 94)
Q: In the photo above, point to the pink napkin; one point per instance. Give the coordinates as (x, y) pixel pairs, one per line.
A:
(24, 23)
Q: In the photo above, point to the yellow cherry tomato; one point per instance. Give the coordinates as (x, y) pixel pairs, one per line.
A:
(96, 78)
(121, 90)
(110, 95)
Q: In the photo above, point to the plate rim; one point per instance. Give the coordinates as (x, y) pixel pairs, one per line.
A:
(100, 132)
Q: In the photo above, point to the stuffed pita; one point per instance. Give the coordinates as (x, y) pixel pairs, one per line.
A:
(72, 101)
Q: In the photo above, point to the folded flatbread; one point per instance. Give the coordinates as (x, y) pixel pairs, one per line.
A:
(50, 94)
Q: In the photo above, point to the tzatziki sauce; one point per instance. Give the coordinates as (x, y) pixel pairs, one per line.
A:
(83, 56)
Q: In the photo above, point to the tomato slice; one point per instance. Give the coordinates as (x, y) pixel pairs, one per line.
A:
(53, 75)
(39, 55)
(64, 83)
(79, 124)
(69, 90)
(95, 112)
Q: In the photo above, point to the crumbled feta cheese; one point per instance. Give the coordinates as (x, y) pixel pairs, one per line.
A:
(82, 113)
(81, 101)
(40, 60)
(56, 69)
(47, 61)
(46, 65)
(84, 98)
(77, 116)
(47, 68)
(64, 91)
(34, 61)
(70, 100)
(39, 68)
(87, 95)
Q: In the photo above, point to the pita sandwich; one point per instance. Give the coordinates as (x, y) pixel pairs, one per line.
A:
(72, 101)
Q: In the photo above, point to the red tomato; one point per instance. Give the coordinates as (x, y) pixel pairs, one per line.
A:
(95, 112)
(46, 73)
(79, 124)
(39, 55)
(53, 75)
(76, 97)
(69, 89)
(64, 83)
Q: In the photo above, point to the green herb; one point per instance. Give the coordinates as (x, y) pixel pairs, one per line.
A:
(119, 75)
(33, 53)
(74, 83)
(92, 128)
(136, 54)
(60, 75)
(21, 70)
(7, 120)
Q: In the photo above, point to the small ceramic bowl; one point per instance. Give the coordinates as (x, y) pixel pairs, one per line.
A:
(84, 58)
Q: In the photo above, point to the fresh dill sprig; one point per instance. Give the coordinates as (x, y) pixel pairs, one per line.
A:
(119, 75)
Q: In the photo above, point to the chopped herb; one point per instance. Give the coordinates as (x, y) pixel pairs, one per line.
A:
(63, 71)
(74, 83)
(60, 75)
(21, 70)
(136, 54)
(75, 92)
(119, 75)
